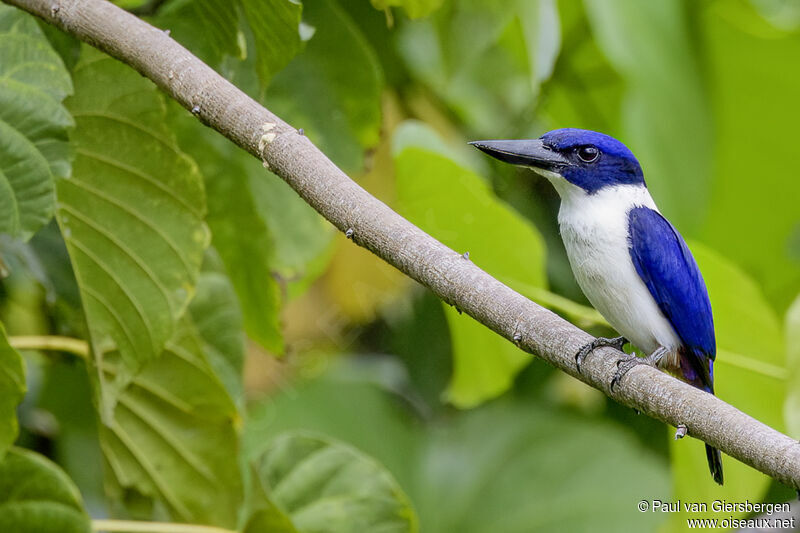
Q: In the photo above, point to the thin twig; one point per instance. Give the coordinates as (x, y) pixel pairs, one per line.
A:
(51, 342)
(217, 103)
(136, 526)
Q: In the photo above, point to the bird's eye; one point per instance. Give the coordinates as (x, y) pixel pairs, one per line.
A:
(588, 154)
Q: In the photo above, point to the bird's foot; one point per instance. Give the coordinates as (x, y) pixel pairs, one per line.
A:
(600, 342)
(628, 361)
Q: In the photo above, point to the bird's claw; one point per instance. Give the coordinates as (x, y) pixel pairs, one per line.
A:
(600, 342)
(628, 361)
(624, 364)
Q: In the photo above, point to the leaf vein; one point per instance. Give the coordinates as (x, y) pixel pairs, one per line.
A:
(110, 273)
(102, 301)
(130, 123)
(136, 214)
(158, 392)
(162, 486)
(193, 462)
(146, 177)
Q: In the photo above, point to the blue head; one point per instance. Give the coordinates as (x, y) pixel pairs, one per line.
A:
(587, 159)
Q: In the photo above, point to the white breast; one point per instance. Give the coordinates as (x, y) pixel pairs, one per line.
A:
(595, 232)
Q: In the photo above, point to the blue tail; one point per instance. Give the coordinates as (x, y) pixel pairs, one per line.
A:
(698, 370)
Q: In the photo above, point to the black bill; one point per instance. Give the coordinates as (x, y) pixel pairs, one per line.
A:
(527, 153)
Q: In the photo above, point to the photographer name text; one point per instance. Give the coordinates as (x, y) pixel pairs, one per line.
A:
(717, 506)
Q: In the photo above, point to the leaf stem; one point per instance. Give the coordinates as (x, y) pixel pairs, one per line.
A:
(51, 342)
(153, 527)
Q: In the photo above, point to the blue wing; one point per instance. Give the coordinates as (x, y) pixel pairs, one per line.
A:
(670, 273)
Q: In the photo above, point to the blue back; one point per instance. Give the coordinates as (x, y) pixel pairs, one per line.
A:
(670, 273)
(615, 166)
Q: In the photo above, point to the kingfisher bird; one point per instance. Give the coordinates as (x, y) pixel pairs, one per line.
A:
(631, 263)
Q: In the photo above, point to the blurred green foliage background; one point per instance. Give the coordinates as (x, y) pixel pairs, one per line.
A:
(289, 326)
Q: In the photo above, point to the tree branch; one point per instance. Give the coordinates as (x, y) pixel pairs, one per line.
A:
(373, 225)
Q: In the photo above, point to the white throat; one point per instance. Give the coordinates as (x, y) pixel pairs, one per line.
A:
(609, 203)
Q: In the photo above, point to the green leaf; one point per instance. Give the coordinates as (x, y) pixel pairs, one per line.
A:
(208, 28)
(332, 90)
(748, 331)
(665, 100)
(216, 315)
(327, 486)
(276, 28)
(131, 216)
(174, 436)
(414, 8)
(747, 57)
(792, 407)
(34, 145)
(268, 518)
(240, 235)
(457, 207)
(37, 497)
(214, 30)
(486, 60)
(261, 514)
(12, 390)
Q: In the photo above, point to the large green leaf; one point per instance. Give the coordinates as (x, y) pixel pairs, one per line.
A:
(174, 436)
(326, 486)
(485, 59)
(749, 372)
(37, 497)
(12, 389)
(239, 233)
(332, 90)
(132, 216)
(457, 207)
(753, 216)
(666, 117)
(33, 124)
